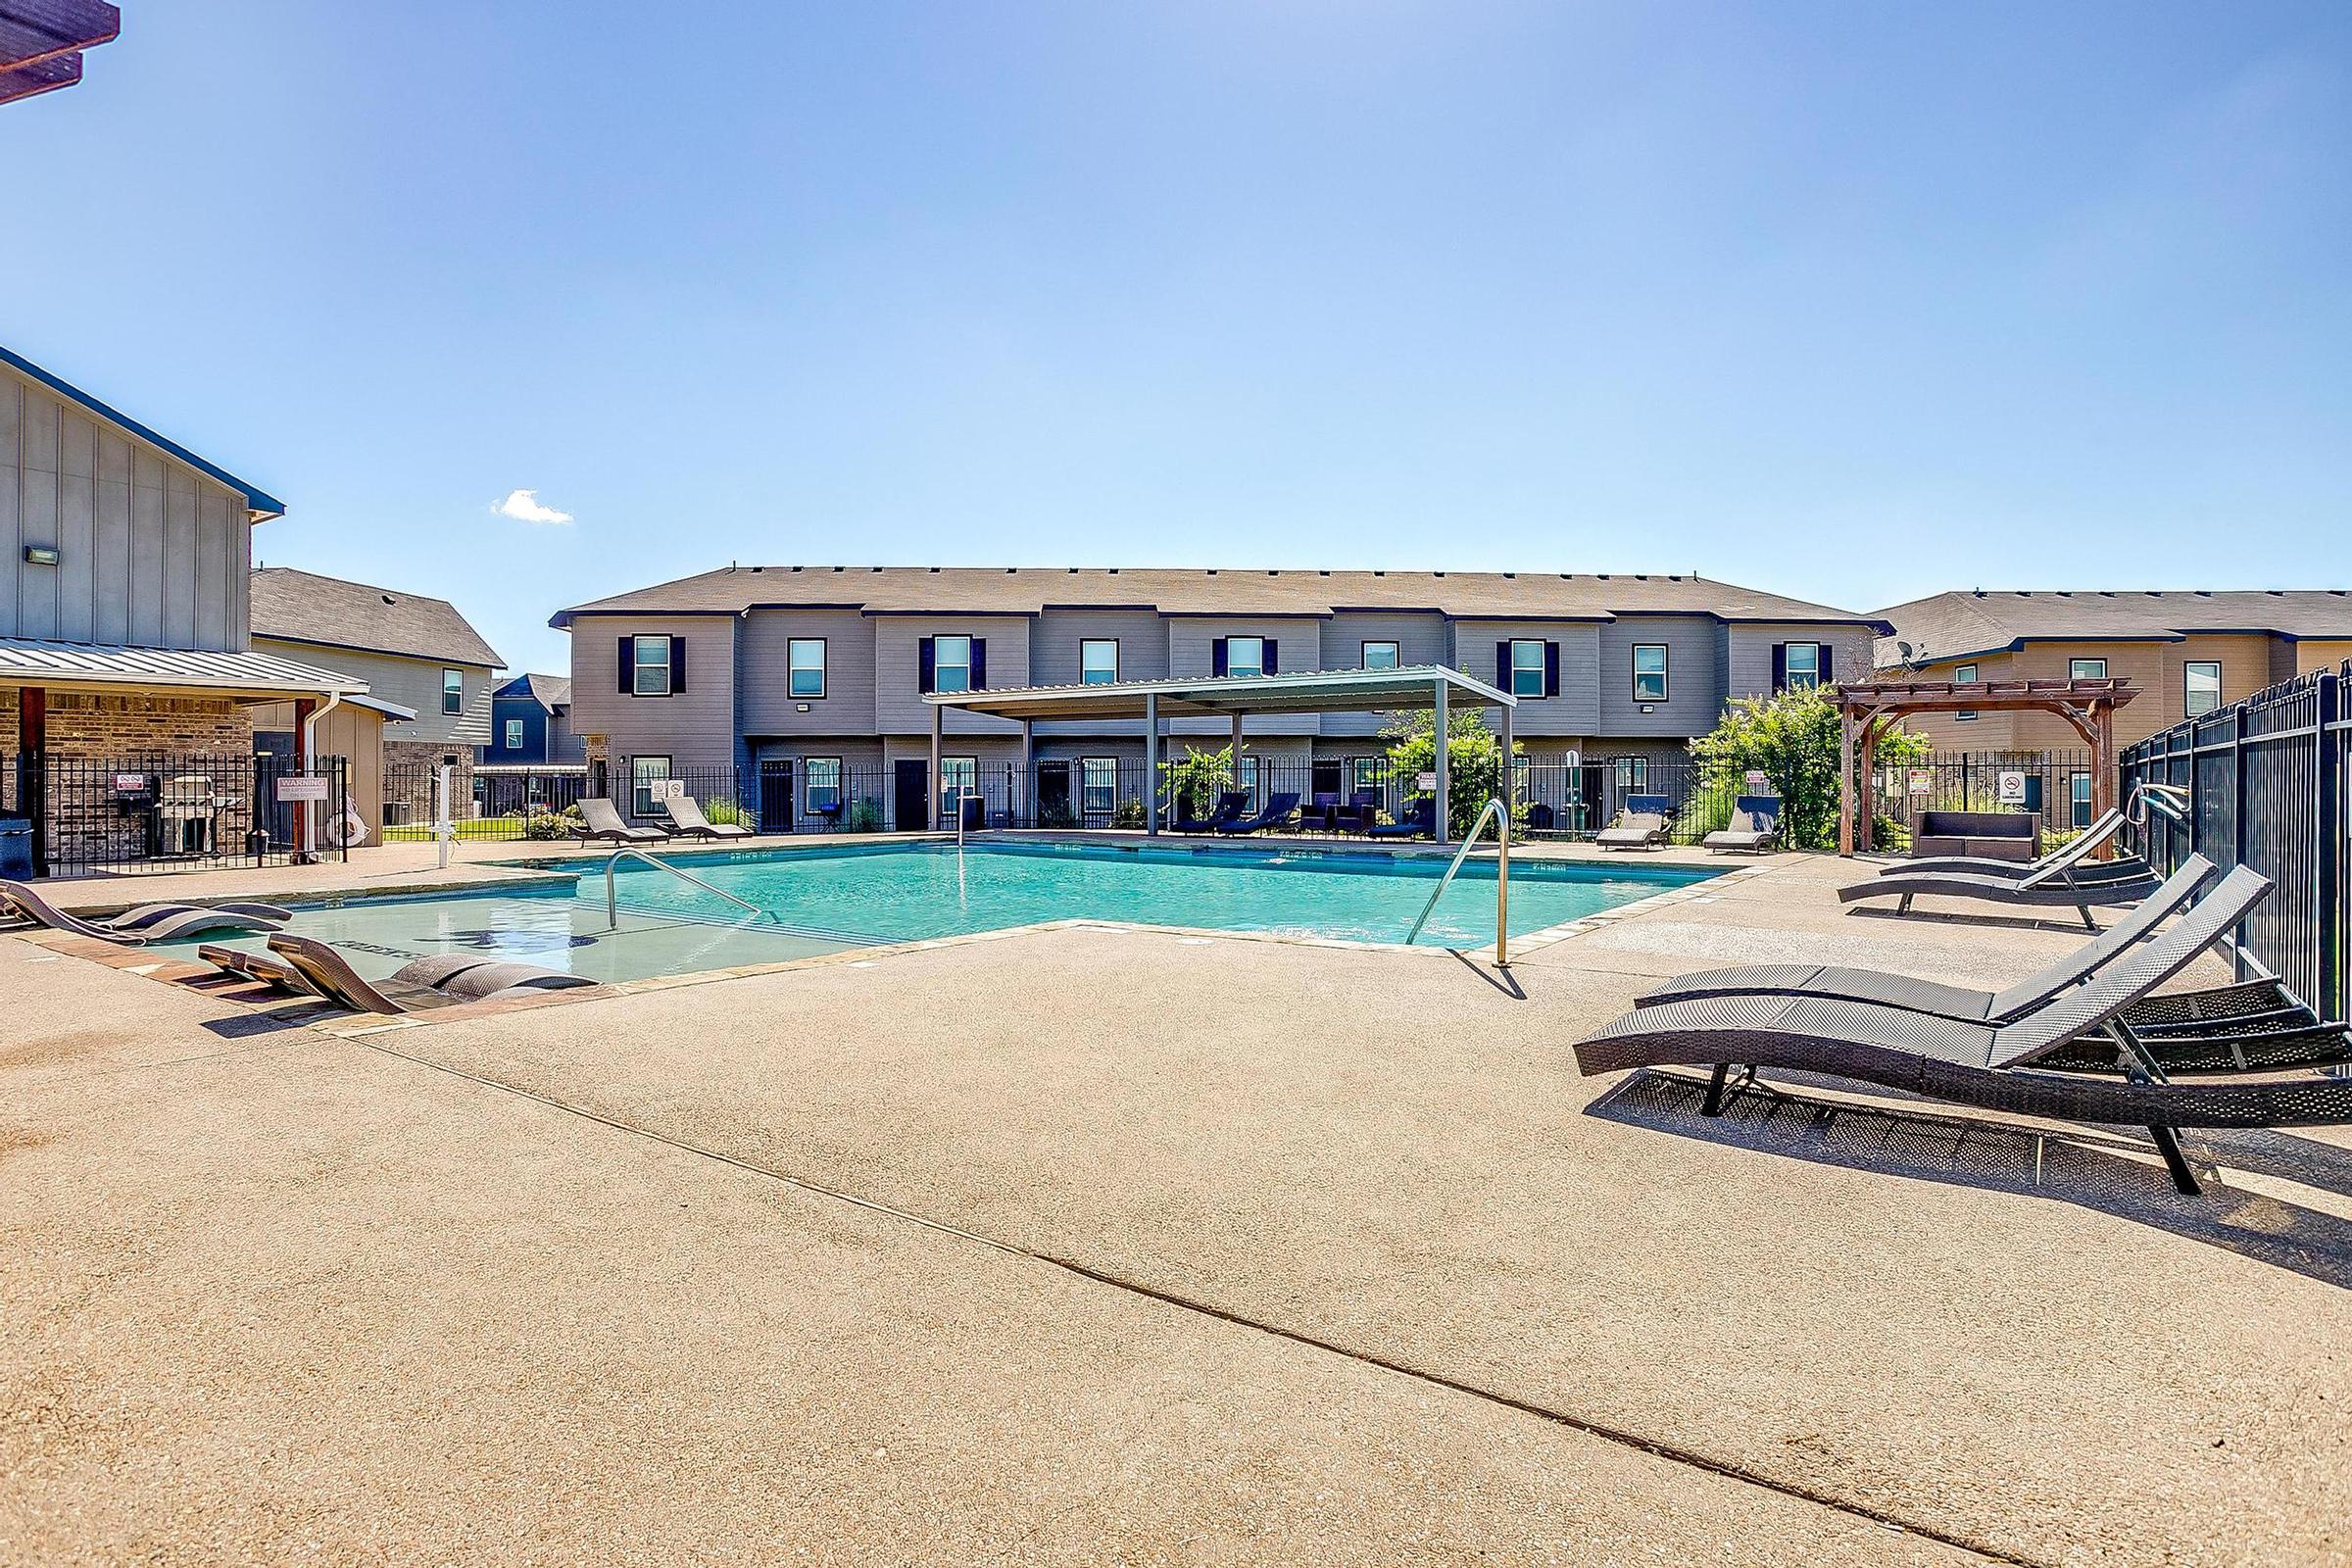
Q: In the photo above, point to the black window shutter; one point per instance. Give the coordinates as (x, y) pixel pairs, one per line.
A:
(1273, 660)
(1216, 656)
(1503, 666)
(1779, 667)
(979, 664)
(629, 666)
(1820, 662)
(926, 674)
(677, 663)
(1552, 670)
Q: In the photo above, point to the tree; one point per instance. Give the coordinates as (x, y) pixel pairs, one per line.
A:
(1794, 739)
(1473, 758)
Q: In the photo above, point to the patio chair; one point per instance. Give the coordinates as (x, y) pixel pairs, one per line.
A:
(1640, 825)
(1755, 826)
(686, 817)
(417, 986)
(1360, 815)
(1228, 809)
(1321, 811)
(1418, 820)
(148, 922)
(1931, 997)
(259, 967)
(2056, 886)
(1280, 808)
(600, 822)
(2075, 849)
(2050, 1063)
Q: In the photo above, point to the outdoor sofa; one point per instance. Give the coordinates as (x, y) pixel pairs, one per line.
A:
(1977, 835)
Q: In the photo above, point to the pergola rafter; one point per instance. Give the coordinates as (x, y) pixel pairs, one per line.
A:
(1868, 709)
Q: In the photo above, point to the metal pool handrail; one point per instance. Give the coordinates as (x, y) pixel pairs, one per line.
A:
(612, 898)
(1503, 877)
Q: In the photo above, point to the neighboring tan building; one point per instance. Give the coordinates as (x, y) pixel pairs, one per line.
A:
(825, 667)
(530, 722)
(2187, 650)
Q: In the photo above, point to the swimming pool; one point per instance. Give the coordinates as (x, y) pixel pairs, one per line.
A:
(826, 900)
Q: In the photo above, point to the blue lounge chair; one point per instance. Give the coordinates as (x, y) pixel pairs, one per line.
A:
(1419, 821)
(1279, 810)
(1228, 809)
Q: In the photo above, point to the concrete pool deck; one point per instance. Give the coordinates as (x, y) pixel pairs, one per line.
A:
(1088, 1245)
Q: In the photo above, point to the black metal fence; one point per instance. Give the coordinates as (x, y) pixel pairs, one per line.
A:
(488, 802)
(157, 811)
(2265, 781)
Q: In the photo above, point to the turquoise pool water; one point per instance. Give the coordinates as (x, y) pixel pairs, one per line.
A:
(824, 900)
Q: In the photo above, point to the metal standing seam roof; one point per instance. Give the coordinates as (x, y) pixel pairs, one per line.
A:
(1333, 691)
(34, 661)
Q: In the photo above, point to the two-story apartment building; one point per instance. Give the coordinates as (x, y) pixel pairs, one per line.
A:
(826, 666)
(2188, 650)
(125, 626)
(530, 723)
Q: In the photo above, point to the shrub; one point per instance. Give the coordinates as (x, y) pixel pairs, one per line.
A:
(1794, 740)
(866, 814)
(553, 824)
(1195, 779)
(1473, 760)
(722, 810)
(1129, 813)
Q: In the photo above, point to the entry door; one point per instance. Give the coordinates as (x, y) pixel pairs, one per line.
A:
(1329, 776)
(1052, 795)
(910, 797)
(274, 760)
(775, 795)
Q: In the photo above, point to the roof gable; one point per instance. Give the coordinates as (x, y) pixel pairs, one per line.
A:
(259, 505)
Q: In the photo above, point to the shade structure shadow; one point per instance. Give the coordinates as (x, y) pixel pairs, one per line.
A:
(2113, 1170)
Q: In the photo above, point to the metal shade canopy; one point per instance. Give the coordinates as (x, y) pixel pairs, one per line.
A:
(1330, 690)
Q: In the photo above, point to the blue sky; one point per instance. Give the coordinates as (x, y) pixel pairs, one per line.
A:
(1847, 301)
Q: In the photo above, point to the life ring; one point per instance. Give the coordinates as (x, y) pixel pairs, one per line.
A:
(346, 831)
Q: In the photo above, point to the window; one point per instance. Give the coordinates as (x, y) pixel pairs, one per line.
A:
(1632, 773)
(804, 667)
(1803, 664)
(1365, 772)
(1099, 661)
(452, 691)
(1965, 674)
(646, 775)
(513, 734)
(952, 670)
(2086, 670)
(822, 787)
(1382, 655)
(1527, 667)
(1245, 778)
(958, 775)
(1649, 672)
(1245, 656)
(653, 666)
(2204, 693)
(1098, 785)
(2078, 791)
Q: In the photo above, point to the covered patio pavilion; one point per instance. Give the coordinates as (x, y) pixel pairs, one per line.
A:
(1235, 697)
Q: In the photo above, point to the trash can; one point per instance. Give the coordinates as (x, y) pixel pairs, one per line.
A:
(15, 849)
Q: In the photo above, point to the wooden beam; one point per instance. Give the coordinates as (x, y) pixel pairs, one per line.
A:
(1845, 785)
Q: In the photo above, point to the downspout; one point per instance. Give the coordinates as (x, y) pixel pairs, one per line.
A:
(310, 750)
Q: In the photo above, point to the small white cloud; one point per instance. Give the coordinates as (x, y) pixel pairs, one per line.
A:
(523, 506)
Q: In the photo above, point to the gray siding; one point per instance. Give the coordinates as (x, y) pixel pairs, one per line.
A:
(1694, 675)
(694, 726)
(1576, 710)
(1143, 637)
(1421, 638)
(151, 551)
(1748, 664)
(899, 705)
(1190, 653)
(766, 704)
(410, 682)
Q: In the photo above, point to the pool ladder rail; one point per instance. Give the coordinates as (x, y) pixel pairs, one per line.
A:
(1496, 810)
(612, 896)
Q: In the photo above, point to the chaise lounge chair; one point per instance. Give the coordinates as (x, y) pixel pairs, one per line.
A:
(1280, 808)
(149, 922)
(418, 986)
(1877, 987)
(2057, 885)
(1227, 811)
(2077, 848)
(1640, 825)
(260, 968)
(599, 821)
(686, 816)
(2050, 1063)
(1755, 826)
(1418, 821)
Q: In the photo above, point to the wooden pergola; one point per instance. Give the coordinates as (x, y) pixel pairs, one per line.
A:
(1869, 708)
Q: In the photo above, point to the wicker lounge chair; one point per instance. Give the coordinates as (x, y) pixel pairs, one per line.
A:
(1640, 825)
(1931, 997)
(2076, 849)
(149, 922)
(1280, 808)
(1754, 829)
(1227, 811)
(260, 968)
(418, 986)
(1419, 820)
(599, 821)
(2057, 886)
(2050, 1063)
(686, 817)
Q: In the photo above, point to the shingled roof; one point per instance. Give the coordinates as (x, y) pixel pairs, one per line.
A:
(1030, 590)
(1959, 626)
(301, 606)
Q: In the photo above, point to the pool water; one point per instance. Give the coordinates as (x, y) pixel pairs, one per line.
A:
(825, 899)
